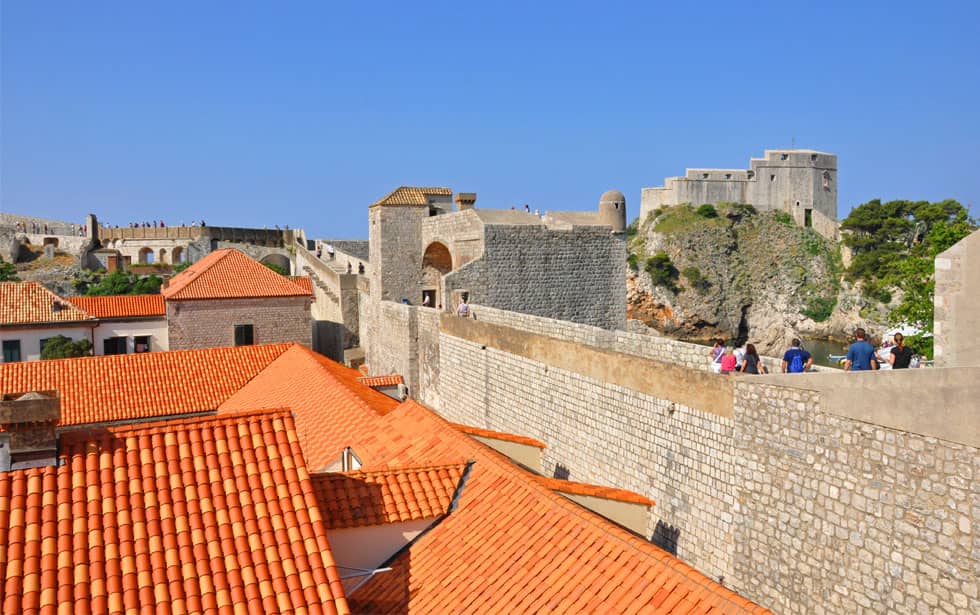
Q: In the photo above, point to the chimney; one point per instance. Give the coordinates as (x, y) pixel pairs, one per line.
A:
(28, 439)
(465, 200)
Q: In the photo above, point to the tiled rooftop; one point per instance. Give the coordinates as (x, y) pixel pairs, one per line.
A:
(411, 195)
(303, 281)
(356, 499)
(382, 381)
(121, 306)
(203, 515)
(133, 386)
(229, 274)
(27, 303)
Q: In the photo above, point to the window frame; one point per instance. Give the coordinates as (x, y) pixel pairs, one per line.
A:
(9, 345)
(243, 331)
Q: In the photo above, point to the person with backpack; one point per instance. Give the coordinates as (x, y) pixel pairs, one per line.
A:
(796, 360)
(861, 354)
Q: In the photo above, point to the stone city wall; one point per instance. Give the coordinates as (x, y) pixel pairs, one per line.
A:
(854, 495)
(211, 323)
(817, 493)
(577, 275)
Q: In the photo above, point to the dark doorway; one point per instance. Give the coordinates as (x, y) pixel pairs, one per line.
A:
(808, 218)
(429, 297)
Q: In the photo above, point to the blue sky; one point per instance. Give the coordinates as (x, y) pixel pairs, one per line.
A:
(303, 113)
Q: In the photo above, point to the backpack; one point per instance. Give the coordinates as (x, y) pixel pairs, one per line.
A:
(796, 363)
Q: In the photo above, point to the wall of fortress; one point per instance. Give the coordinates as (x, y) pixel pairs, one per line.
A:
(820, 493)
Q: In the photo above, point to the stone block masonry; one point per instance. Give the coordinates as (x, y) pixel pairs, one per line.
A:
(816, 493)
(211, 323)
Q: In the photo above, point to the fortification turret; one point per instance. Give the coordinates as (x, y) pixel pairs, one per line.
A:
(612, 210)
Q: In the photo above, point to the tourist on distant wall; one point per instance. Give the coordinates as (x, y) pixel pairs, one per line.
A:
(796, 360)
(861, 354)
(752, 363)
(728, 361)
(463, 309)
(901, 355)
(715, 355)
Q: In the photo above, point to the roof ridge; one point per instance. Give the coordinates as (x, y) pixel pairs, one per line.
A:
(347, 390)
(394, 469)
(175, 423)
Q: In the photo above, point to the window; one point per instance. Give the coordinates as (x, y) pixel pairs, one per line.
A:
(11, 351)
(243, 335)
(772, 178)
(141, 343)
(114, 345)
(783, 156)
(728, 175)
(826, 180)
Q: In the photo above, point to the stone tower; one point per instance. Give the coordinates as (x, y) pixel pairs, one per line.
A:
(612, 210)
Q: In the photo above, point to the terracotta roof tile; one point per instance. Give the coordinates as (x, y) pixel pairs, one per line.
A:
(608, 493)
(356, 499)
(411, 195)
(332, 408)
(229, 274)
(503, 541)
(382, 381)
(303, 281)
(131, 386)
(198, 515)
(27, 303)
(121, 306)
(498, 435)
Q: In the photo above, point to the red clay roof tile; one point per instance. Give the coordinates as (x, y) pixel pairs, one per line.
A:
(139, 517)
(303, 281)
(121, 306)
(29, 303)
(132, 386)
(229, 274)
(382, 381)
(355, 499)
(498, 435)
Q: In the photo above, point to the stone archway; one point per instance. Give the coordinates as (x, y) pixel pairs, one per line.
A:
(280, 261)
(437, 261)
(145, 256)
(162, 256)
(177, 255)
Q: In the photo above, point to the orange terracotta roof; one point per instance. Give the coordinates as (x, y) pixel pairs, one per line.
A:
(498, 435)
(382, 381)
(131, 386)
(29, 303)
(411, 195)
(121, 306)
(229, 274)
(608, 493)
(356, 499)
(303, 281)
(511, 545)
(332, 408)
(205, 515)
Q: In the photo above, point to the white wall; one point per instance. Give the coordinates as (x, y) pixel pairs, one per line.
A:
(30, 339)
(156, 329)
(367, 547)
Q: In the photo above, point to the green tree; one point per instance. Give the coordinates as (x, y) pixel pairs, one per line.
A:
(125, 283)
(61, 347)
(895, 245)
(8, 273)
(276, 268)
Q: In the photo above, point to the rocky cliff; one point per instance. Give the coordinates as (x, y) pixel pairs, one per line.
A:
(727, 271)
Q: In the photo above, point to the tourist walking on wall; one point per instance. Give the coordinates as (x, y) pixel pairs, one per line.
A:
(463, 309)
(861, 354)
(752, 362)
(901, 355)
(796, 360)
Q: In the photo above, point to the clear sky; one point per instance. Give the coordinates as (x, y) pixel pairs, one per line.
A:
(303, 113)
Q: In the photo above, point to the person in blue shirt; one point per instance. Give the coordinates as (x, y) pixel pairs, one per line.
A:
(861, 354)
(796, 360)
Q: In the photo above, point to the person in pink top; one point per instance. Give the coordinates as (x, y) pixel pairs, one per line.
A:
(728, 361)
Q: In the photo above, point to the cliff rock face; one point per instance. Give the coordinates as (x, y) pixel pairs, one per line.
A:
(730, 272)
